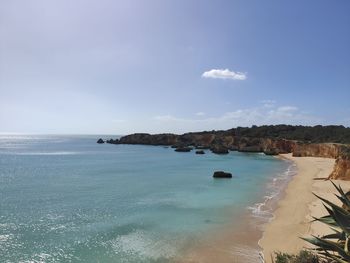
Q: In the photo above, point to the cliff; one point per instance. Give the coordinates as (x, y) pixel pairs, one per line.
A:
(327, 150)
(341, 168)
(212, 140)
(342, 164)
(340, 152)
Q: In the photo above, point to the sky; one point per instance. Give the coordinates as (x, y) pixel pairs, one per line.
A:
(119, 67)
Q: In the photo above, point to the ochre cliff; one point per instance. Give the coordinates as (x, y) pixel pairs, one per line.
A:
(212, 140)
(327, 150)
(340, 152)
(341, 168)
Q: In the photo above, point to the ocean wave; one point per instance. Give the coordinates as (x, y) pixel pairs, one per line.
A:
(248, 253)
(4, 238)
(141, 245)
(275, 187)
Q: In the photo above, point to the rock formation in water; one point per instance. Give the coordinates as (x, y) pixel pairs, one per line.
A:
(111, 141)
(222, 174)
(219, 149)
(200, 152)
(100, 141)
(183, 149)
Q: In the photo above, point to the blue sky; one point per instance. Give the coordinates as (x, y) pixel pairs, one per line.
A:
(119, 67)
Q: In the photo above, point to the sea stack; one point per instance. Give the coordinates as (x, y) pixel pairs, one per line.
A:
(100, 141)
(183, 149)
(222, 174)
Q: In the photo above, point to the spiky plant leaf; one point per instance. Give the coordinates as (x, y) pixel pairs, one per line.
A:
(343, 197)
(332, 205)
(338, 236)
(329, 246)
(328, 220)
(343, 220)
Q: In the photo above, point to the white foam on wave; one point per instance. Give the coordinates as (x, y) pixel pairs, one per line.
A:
(39, 258)
(275, 187)
(139, 244)
(250, 254)
(5, 238)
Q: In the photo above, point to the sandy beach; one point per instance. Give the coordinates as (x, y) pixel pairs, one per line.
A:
(293, 214)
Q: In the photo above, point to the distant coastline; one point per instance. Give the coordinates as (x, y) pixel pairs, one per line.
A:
(313, 141)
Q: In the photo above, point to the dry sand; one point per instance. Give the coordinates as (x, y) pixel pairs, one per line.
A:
(293, 214)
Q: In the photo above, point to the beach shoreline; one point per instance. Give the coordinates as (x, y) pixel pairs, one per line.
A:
(238, 241)
(291, 211)
(293, 215)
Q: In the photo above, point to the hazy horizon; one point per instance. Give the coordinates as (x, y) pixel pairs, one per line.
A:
(119, 67)
(111, 134)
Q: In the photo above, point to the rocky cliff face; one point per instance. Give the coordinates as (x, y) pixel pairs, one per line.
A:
(339, 152)
(148, 139)
(212, 140)
(342, 164)
(328, 150)
(341, 168)
(222, 141)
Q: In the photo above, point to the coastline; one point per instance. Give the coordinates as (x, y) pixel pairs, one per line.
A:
(292, 217)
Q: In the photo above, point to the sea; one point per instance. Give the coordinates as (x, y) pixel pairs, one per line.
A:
(65, 198)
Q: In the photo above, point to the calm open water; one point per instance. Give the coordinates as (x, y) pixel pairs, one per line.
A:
(68, 199)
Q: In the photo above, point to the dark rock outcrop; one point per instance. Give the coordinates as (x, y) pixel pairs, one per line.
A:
(219, 149)
(100, 141)
(271, 151)
(148, 139)
(183, 149)
(200, 152)
(222, 174)
(111, 141)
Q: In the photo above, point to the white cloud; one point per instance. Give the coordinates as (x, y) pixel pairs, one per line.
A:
(242, 117)
(224, 74)
(287, 108)
(200, 113)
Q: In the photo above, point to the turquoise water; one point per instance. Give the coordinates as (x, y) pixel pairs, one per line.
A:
(68, 199)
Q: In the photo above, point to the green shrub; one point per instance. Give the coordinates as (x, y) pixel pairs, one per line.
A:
(303, 257)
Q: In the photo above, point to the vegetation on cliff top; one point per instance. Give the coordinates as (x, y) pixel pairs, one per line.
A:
(314, 134)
